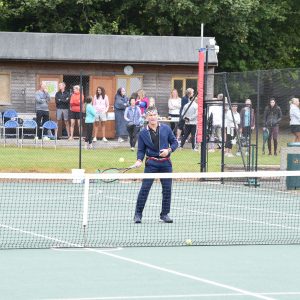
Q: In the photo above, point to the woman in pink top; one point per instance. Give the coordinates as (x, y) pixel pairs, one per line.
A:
(142, 101)
(101, 105)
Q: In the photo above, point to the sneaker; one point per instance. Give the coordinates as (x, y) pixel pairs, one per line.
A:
(104, 139)
(211, 150)
(91, 147)
(137, 219)
(195, 149)
(45, 138)
(36, 138)
(166, 219)
(94, 139)
(120, 140)
(70, 139)
(238, 154)
(132, 148)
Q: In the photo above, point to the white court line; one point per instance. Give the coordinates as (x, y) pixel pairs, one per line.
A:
(147, 265)
(246, 207)
(199, 212)
(84, 250)
(212, 295)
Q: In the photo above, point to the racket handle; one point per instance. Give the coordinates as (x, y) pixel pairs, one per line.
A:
(133, 166)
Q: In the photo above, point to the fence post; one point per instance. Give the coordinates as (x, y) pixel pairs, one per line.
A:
(81, 120)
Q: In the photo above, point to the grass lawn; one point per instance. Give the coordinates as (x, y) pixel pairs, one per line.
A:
(13, 159)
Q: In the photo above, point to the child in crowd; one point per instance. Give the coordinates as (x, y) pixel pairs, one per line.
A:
(89, 122)
(133, 116)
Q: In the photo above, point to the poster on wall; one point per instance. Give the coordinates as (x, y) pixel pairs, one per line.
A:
(52, 86)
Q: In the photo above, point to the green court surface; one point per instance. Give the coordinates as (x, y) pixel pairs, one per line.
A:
(234, 272)
(73, 220)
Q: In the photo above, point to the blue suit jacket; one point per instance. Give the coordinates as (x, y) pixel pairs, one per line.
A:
(167, 140)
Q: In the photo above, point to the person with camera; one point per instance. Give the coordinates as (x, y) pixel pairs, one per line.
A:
(190, 113)
(185, 100)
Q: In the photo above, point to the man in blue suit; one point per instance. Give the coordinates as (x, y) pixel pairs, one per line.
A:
(156, 142)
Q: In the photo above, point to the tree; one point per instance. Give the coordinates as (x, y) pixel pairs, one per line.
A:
(252, 34)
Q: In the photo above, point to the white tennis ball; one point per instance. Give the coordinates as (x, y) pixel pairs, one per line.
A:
(188, 242)
(121, 159)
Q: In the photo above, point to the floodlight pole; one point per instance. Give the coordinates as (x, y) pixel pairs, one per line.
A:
(204, 129)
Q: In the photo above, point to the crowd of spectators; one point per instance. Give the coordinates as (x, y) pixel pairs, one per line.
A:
(239, 120)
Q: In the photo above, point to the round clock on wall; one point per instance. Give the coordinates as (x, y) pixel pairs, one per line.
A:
(128, 70)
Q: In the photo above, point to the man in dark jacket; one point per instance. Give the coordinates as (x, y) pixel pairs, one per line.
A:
(156, 142)
(272, 118)
(62, 101)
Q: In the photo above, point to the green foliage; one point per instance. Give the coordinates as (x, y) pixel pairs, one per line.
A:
(252, 34)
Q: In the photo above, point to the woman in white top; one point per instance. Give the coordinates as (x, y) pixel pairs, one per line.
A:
(101, 105)
(174, 105)
(295, 118)
(232, 122)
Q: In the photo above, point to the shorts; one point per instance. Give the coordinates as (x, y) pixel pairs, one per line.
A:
(62, 114)
(295, 128)
(100, 116)
(74, 115)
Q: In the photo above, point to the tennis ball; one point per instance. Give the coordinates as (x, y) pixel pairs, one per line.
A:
(121, 159)
(188, 242)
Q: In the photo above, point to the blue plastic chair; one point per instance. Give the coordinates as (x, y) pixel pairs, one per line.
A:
(9, 114)
(11, 125)
(30, 127)
(49, 125)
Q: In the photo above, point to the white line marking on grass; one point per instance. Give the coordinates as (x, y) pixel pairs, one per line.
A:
(144, 264)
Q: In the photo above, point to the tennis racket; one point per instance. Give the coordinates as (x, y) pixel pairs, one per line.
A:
(114, 171)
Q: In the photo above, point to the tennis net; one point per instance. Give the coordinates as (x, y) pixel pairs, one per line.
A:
(59, 210)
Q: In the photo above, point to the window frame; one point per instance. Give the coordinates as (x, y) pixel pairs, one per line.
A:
(9, 102)
(184, 80)
(128, 77)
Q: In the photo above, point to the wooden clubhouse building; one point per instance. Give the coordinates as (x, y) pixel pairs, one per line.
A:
(154, 63)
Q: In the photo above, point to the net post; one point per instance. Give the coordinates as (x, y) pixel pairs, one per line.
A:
(85, 208)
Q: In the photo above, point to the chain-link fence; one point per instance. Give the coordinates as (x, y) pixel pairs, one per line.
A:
(225, 147)
(259, 146)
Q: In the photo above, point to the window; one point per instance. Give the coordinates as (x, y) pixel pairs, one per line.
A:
(130, 83)
(181, 84)
(5, 88)
(71, 80)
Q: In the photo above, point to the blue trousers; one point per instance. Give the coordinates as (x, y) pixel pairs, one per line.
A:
(153, 166)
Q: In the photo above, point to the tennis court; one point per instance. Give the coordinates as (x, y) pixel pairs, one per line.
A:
(239, 272)
(85, 225)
